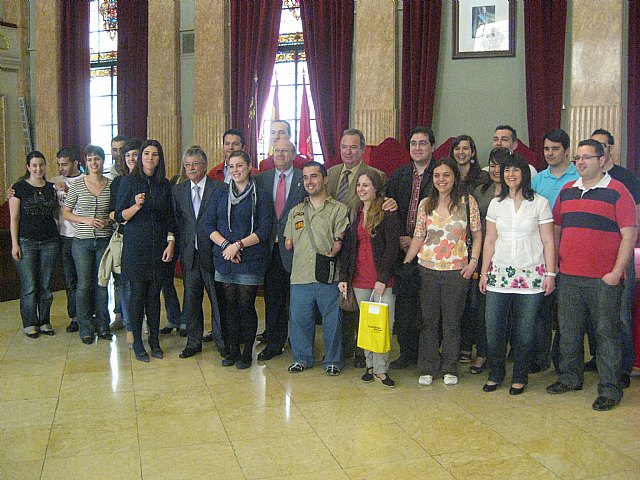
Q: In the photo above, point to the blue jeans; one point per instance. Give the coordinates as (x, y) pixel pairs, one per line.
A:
(302, 329)
(523, 309)
(35, 269)
(87, 254)
(581, 298)
(125, 296)
(70, 275)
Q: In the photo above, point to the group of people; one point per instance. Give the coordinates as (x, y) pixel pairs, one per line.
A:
(462, 256)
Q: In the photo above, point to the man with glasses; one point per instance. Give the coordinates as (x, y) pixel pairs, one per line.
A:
(190, 204)
(632, 183)
(594, 214)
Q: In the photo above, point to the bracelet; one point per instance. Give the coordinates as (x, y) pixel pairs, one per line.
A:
(474, 258)
(171, 238)
(224, 244)
(240, 244)
(550, 274)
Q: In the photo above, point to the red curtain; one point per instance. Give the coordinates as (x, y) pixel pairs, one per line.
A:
(544, 32)
(633, 95)
(133, 16)
(328, 43)
(420, 50)
(75, 69)
(255, 26)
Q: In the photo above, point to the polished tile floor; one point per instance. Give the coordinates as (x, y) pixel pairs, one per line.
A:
(71, 411)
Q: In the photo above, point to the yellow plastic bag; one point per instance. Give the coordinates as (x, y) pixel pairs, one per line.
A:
(373, 331)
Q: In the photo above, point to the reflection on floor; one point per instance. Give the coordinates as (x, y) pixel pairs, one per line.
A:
(72, 411)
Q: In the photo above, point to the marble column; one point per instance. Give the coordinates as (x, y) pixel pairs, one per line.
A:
(210, 117)
(163, 121)
(374, 81)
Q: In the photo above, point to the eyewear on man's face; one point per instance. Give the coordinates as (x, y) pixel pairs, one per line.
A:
(577, 158)
(192, 164)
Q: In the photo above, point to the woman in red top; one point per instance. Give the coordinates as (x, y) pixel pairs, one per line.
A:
(368, 259)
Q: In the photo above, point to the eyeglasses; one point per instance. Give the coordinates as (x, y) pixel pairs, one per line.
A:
(192, 164)
(577, 158)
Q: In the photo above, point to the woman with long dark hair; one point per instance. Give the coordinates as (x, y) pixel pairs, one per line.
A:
(34, 244)
(368, 260)
(144, 203)
(463, 150)
(439, 241)
(518, 269)
(238, 221)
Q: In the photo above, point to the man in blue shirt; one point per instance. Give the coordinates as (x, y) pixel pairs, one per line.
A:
(548, 183)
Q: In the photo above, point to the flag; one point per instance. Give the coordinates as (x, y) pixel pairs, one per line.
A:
(275, 111)
(252, 126)
(305, 145)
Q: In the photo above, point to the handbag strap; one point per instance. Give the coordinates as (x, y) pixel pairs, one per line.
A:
(468, 239)
(308, 224)
(373, 299)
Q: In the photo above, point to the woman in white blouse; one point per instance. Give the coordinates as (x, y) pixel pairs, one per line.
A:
(518, 269)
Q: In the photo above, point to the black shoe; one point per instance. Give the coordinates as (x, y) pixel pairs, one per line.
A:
(268, 354)
(399, 363)
(156, 352)
(224, 352)
(182, 332)
(190, 352)
(591, 366)
(560, 387)
(106, 336)
(490, 388)
(208, 337)
(387, 382)
(535, 368)
(476, 370)
(143, 356)
(368, 376)
(243, 364)
(516, 390)
(72, 327)
(167, 330)
(625, 380)
(229, 362)
(87, 340)
(602, 404)
(359, 362)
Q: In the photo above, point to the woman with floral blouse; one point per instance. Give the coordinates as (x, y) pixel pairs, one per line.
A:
(439, 241)
(518, 269)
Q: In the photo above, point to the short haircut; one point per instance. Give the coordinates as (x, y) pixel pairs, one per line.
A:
(355, 131)
(234, 131)
(131, 144)
(69, 152)
(590, 142)
(602, 131)
(313, 163)
(119, 138)
(559, 136)
(95, 149)
(514, 135)
(242, 154)
(425, 131)
(285, 122)
(195, 151)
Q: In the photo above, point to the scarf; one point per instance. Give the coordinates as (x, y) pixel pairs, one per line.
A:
(235, 198)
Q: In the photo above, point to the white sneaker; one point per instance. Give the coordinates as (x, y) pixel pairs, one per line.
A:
(425, 380)
(450, 379)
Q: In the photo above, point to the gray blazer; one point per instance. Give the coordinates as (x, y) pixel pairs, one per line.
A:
(188, 225)
(297, 194)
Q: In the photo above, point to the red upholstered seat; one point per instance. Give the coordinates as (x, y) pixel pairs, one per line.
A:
(387, 156)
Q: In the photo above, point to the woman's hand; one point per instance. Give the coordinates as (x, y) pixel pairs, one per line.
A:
(342, 286)
(231, 253)
(140, 198)
(16, 253)
(167, 255)
(548, 285)
(379, 288)
(467, 271)
(405, 242)
(482, 285)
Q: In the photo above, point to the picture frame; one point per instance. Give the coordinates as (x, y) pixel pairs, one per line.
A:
(484, 28)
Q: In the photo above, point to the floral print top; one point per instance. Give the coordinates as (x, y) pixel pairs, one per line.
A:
(518, 261)
(444, 246)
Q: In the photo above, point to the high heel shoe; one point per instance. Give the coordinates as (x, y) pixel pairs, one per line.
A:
(142, 356)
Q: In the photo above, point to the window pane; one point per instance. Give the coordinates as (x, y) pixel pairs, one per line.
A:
(100, 86)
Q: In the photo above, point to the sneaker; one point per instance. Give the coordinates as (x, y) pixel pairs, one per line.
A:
(332, 370)
(450, 379)
(425, 380)
(296, 367)
(368, 376)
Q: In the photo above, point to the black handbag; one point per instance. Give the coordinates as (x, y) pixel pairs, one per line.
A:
(326, 267)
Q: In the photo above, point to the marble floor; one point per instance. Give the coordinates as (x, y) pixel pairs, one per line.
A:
(73, 411)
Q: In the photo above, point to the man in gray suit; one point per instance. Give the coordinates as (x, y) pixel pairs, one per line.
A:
(285, 186)
(190, 204)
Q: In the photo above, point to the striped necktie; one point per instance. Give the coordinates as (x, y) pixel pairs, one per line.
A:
(343, 188)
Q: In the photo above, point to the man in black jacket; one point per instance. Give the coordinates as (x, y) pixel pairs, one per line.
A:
(409, 184)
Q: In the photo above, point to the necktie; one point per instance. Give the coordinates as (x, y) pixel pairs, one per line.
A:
(196, 206)
(281, 195)
(344, 186)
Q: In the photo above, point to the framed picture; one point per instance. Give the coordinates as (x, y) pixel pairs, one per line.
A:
(484, 28)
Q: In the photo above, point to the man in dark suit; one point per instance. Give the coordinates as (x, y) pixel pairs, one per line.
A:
(285, 186)
(190, 204)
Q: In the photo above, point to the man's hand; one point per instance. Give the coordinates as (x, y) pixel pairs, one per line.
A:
(389, 204)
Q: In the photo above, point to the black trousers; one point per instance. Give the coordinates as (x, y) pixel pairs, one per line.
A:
(145, 297)
(242, 319)
(276, 296)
